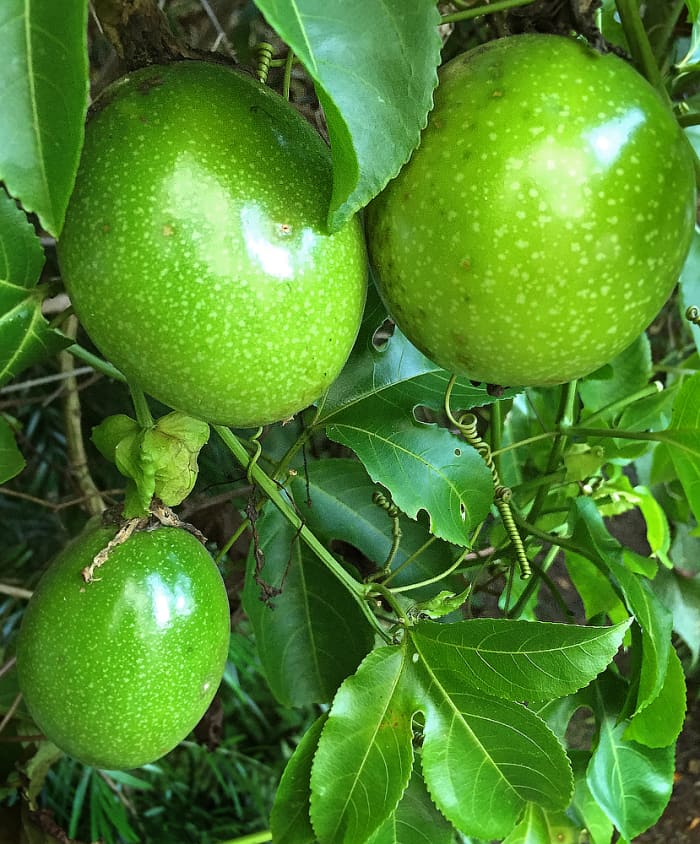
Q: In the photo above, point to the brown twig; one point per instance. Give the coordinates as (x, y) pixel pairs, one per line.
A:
(74, 432)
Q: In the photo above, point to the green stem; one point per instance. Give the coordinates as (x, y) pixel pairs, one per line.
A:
(478, 11)
(96, 363)
(407, 562)
(621, 404)
(517, 609)
(639, 45)
(467, 558)
(287, 80)
(495, 433)
(612, 434)
(661, 34)
(143, 412)
(240, 530)
(692, 119)
(565, 416)
(547, 435)
(272, 491)
(282, 469)
(566, 544)
(389, 597)
(253, 838)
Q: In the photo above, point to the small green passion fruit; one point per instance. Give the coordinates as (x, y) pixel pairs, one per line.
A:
(195, 248)
(118, 670)
(543, 220)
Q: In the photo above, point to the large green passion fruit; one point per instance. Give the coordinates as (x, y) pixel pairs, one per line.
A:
(543, 220)
(195, 247)
(117, 671)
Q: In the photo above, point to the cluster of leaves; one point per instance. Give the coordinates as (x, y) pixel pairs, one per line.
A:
(436, 719)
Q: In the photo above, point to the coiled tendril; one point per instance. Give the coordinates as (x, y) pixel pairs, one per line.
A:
(467, 426)
(263, 54)
(692, 314)
(393, 512)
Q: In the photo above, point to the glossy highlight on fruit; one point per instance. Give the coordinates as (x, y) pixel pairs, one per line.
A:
(543, 220)
(195, 249)
(117, 671)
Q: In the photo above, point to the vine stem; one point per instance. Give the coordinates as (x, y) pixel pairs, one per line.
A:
(471, 557)
(565, 416)
(639, 45)
(614, 407)
(611, 434)
(287, 80)
(478, 11)
(253, 838)
(272, 492)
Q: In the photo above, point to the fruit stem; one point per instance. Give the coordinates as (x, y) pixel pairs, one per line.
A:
(143, 412)
(477, 11)
(272, 492)
(639, 45)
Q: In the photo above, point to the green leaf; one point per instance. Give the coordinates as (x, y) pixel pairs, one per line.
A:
(424, 467)
(289, 819)
(309, 631)
(660, 723)
(365, 756)
(518, 660)
(584, 806)
(653, 618)
(11, 460)
(337, 505)
(415, 821)
(25, 337)
(684, 434)
(374, 68)
(44, 85)
(632, 783)
(681, 595)
(625, 374)
(594, 588)
(540, 827)
(484, 758)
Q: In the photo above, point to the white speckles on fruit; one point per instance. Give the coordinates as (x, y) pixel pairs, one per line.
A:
(217, 282)
(580, 193)
(118, 671)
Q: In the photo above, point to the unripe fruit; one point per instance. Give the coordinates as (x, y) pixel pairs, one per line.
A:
(117, 671)
(195, 247)
(543, 220)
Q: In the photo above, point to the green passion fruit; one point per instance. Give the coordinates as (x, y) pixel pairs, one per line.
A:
(544, 219)
(118, 670)
(195, 248)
